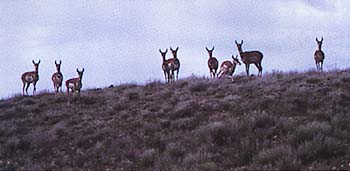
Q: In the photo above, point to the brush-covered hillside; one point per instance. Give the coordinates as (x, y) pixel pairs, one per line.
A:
(280, 121)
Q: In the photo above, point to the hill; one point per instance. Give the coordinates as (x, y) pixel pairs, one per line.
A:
(279, 121)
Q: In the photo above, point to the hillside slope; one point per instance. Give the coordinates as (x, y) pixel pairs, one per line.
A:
(279, 121)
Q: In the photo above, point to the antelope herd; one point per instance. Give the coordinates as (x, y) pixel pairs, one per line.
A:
(171, 68)
(74, 84)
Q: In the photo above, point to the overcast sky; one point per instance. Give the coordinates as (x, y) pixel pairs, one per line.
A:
(117, 41)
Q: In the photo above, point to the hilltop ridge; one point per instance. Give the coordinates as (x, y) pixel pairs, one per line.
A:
(279, 121)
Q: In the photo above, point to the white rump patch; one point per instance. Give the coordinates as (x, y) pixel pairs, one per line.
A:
(71, 85)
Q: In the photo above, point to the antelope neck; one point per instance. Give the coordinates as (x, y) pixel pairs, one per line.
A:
(240, 50)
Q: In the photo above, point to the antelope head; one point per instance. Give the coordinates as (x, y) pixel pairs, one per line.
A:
(80, 73)
(239, 45)
(210, 52)
(163, 53)
(36, 65)
(235, 60)
(319, 43)
(58, 66)
(174, 51)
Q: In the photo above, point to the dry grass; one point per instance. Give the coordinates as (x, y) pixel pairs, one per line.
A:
(280, 121)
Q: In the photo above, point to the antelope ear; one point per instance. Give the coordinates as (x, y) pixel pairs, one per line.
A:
(77, 70)
(160, 50)
(242, 42)
(171, 48)
(33, 61)
(55, 62)
(236, 42)
(166, 50)
(39, 61)
(83, 70)
(207, 49)
(233, 57)
(60, 62)
(177, 48)
(213, 48)
(322, 39)
(236, 56)
(316, 39)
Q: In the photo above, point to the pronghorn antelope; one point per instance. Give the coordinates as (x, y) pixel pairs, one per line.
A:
(167, 65)
(57, 77)
(212, 63)
(31, 77)
(250, 57)
(228, 67)
(75, 84)
(319, 55)
(176, 63)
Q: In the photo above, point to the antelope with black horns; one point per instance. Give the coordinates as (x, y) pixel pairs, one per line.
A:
(228, 67)
(57, 77)
(30, 77)
(75, 84)
(176, 63)
(319, 55)
(250, 57)
(213, 63)
(167, 65)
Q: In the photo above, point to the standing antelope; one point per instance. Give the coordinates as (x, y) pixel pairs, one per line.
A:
(176, 63)
(31, 77)
(57, 77)
(228, 67)
(212, 63)
(319, 55)
(75, 84)
(250, 57)
(166, 66)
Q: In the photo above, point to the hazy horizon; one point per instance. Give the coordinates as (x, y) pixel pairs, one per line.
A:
(118, 41)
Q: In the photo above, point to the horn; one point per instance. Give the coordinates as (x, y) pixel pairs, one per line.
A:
(213, 48)
(36, 63)
(81, 70)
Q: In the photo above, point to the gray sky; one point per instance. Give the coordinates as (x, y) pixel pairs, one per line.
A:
(117, 41)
